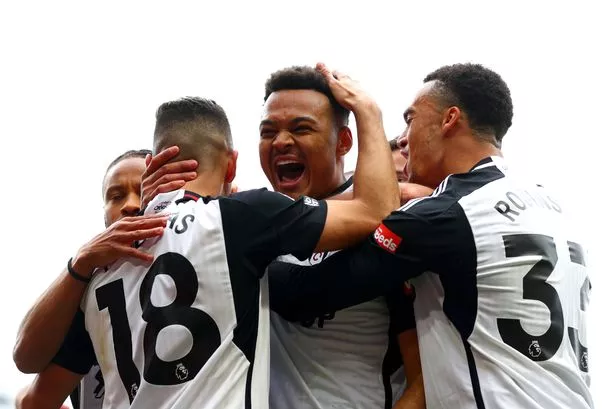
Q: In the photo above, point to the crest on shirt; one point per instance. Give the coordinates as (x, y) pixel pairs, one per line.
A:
(535, 349)
(181, 372)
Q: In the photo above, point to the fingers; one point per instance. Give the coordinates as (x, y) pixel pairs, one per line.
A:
(171, 169)
(160, 159)
(142, 234)
(148, 159)
(136, 253)
(325, 71)
(169, 187)
(142, 222)
(340, 75)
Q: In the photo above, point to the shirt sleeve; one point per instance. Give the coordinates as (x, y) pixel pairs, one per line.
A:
(432, 235)
(401, 308)
(76, 353)
(274, 224)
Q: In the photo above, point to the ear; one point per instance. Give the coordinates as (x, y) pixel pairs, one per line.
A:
(451, 118)
(344, 141)
(231, 168)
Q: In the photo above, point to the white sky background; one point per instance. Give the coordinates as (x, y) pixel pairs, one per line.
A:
(79, 84)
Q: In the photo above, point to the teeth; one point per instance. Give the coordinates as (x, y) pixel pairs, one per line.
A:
(286, 162)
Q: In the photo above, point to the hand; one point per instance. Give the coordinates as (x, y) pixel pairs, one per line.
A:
(346, 91)
(162, 177)
(117, 242)
(409, 191)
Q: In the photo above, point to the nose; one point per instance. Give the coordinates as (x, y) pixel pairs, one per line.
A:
(402, 140)
(132, 205)
(282, 141)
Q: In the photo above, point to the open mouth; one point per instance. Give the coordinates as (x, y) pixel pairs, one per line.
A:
(289, 172)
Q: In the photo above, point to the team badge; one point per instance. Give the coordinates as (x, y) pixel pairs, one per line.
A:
(181, 372)
(535, 349)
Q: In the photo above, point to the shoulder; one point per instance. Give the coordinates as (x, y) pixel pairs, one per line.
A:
(452, 189)
(257, 197)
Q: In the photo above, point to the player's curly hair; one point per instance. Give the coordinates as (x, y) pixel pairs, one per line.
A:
(304, 77)
(480, 93)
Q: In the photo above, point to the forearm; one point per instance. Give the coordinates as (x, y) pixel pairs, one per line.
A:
(49, 389)
(413, 397)
(375, 182)
(46, 324)
(299, 293)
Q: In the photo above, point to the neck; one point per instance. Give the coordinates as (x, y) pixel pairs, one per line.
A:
(467, 153)
(206, 184)
(337, 181)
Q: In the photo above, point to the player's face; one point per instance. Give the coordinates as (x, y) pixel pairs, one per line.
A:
(421, 142)
(299, 147)
(122, 189)
(400, 166)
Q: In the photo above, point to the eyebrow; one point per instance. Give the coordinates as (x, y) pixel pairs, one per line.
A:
(409, 111)
(113, 188)
(302, 119)
(294, 121)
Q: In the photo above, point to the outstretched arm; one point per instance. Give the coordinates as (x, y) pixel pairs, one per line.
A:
(44, 327)
(49, 389)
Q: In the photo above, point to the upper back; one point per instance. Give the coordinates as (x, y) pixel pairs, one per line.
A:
(506, 270)
(194, 324)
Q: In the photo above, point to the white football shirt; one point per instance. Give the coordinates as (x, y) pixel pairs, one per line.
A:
(347, 358)
(501, 291)
(192, 329)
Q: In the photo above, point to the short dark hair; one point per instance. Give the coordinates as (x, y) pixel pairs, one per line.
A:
(393, 145)
(304, 77)
(480, 93)
(141, 153)
(198, 126)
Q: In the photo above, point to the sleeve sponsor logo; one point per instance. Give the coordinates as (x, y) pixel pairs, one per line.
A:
(387, 239)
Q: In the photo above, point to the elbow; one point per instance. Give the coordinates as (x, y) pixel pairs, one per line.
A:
(23, 360)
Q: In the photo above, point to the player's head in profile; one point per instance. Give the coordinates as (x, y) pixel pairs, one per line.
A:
(462, 108)
(304, 134)
(399, 160)
(121, 185)
(201, 130)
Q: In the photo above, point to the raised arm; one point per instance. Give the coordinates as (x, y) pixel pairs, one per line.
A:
(376, 192)
(44, 327)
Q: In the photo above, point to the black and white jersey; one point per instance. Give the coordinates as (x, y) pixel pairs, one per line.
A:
(90, 392)
(501, 291)
(327, 357)
(192, 329)
(76, 355)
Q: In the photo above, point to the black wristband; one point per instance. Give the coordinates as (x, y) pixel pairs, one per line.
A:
(74, 274)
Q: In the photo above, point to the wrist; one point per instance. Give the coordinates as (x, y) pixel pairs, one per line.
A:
(367, 110)
(81, 266)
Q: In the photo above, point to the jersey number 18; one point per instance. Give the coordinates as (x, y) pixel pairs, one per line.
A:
(205, 332)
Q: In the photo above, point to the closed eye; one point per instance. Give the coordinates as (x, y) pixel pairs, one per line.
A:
(302, 129)
(267, 133)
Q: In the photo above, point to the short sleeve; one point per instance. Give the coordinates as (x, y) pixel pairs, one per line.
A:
(275, 224)
(76, 353)
(401, 308)
(431, 235)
